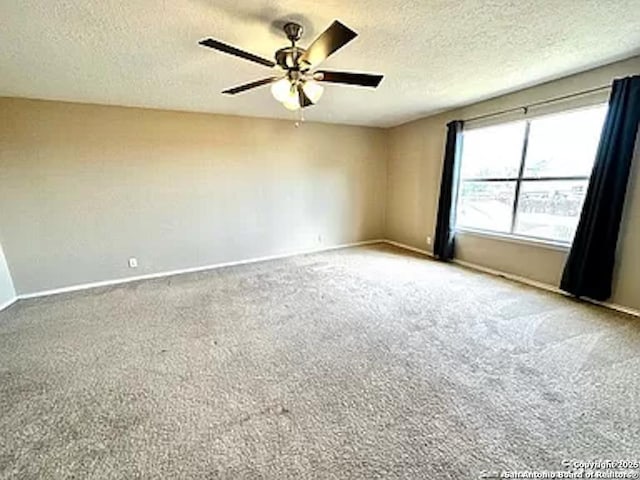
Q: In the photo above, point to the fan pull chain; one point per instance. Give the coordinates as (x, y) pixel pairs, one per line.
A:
(300, 120)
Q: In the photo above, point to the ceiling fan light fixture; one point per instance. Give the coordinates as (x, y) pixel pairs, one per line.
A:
(298, 86)
(285, 91)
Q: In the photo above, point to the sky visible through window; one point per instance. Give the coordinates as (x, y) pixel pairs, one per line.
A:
(546, 199)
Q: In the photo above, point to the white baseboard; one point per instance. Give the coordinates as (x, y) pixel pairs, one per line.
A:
(613, 306)
(473, 266)
(409, 247)
(118, 281)
(519, 279)
(510, 276)
(545, 286)
(8, 303)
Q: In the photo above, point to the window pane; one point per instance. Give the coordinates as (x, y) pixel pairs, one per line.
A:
(486, 205)
(564, 144)
(550, 209)
(492, 152)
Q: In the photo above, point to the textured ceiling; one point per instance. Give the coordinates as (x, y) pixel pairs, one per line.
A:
(436, 54)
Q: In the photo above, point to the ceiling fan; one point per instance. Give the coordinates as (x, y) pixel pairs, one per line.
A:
(299, 85)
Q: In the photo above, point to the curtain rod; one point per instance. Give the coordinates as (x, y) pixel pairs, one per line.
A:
(537, 104)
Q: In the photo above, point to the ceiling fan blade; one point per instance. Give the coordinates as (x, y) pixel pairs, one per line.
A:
(231, 50)
(332, 39)
(349, 78)
(304, 100)
(249, 86)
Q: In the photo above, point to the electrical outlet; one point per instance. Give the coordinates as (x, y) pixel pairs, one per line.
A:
(133, 262)
(429, 240)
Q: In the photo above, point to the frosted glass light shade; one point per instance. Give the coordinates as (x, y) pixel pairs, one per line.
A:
(284, 91)
(281, 90)
(292, 104)
(313, 90)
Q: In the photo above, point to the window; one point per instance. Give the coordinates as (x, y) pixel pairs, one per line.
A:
(529, 178)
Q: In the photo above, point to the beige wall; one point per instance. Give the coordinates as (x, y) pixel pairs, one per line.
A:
(7, 292)
(85, 187)
(414, 166)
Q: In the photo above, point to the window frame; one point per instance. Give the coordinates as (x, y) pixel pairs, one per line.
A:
(511, 234)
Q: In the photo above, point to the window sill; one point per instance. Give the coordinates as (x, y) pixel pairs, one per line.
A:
(507, 237)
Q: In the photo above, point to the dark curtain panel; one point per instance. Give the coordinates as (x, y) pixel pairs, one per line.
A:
(443, 245)
(589, 268)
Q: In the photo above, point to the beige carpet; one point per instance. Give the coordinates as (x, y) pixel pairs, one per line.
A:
(362, 363)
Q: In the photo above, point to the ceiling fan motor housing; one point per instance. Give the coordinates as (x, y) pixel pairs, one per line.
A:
(289, 57)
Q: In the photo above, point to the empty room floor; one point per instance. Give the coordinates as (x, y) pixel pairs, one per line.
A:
(364, 363)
